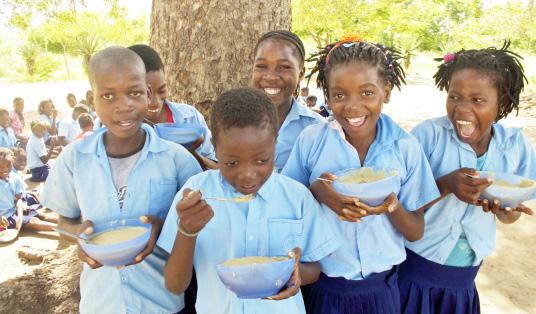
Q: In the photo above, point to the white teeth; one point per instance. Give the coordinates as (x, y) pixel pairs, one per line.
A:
(356, 121)
(463, 122)
(272, 91)
(125, 123)
(465, 128)
(152, 110)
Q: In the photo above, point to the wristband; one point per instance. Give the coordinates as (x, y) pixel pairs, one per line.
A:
(190, 235)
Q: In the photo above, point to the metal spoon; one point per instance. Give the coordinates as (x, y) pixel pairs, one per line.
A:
(239, 199)
(70, 234)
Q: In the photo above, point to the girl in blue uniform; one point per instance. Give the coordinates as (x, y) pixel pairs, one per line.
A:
(361, 276)
(483, 86)
(203, 232)
(277, 71)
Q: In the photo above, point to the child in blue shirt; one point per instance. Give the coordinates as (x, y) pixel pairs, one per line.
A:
(360, 277)
(121, 171)
(49, 114)
(282, 217)
(7, 135)
(161, 110)
(37, 152)
(483, 86)
(277, 71)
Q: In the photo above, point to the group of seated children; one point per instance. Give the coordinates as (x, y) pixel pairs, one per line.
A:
(418, 251)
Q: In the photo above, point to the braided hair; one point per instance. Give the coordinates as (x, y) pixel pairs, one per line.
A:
(242, 107)
(351, 50)
(501, 65)
(290, 37)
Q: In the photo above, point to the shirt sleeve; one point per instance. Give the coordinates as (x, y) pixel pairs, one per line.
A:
(418, 187)
(296, 166)
(527, 168)
(59, 192)
(318, 236)
(206, 149)
(19, 184)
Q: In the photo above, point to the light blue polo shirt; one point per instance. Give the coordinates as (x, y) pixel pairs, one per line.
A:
(282, 216)
(80, 185)
(8, 190)
(298, 118)
(7, 137)
(509, 152)
(373, 245)
(183, 113)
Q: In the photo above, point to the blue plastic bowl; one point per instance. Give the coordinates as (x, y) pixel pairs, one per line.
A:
(370, 193)
(508, 196)
(180, 133)
(117, 254)
(256, 280)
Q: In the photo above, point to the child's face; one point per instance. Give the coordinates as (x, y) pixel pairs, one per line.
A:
(5, 121)
(19, 106)
(246, 157)
(71, 100)
(156, 79)
(121, 98)
(310, 103)
(472, 106)
(5, 168)
(77, 113)
(356, 96)
(48, 108)
(39, 131)
(276, 71)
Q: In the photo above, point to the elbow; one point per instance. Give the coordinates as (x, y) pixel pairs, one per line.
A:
(415, 235)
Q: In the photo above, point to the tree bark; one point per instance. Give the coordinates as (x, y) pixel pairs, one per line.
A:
(207, 45)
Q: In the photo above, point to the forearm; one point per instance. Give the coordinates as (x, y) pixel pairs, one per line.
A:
(441, 183)
(69, 225)
(508, 218)
(203, 161)
(410, 224)
(309, 272)
(19, 207)
(178, 269)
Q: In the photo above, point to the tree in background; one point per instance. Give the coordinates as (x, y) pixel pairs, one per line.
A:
(207, 46)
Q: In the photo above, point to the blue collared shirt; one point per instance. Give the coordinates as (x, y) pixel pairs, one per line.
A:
(7, 137)
(183, 113)
(80, 185)
(8, 190)
(282, 216)
(35, 149)
(509, 152)
(373, 245)
(298, 118)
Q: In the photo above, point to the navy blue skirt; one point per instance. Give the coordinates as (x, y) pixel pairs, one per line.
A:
(431, 288)
(378, 294)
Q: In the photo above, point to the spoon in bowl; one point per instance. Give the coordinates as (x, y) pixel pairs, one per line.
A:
(238, 199)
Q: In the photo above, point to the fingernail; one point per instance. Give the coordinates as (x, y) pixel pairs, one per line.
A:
(346, 211)
(291, 254)
(363, 212)
(290, 285)
(357, 220)
(138, 258)
(508, 209)
(496, 202)
(269, 298)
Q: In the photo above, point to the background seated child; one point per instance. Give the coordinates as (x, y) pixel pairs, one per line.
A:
(283, 215)
(69, 129)
(48, 114)
(17, 120)
(37, 153)
(7, 135)
(86, 124)
(123, 171)
(162, 110)
(360, 277)
(483, 86)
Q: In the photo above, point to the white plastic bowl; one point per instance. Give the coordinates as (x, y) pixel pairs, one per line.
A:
(508, 196)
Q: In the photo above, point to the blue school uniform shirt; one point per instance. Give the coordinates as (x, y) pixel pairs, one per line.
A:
(183, 113)
(283, 215)
(35, 149)
(80, 185)
(8, 189)
(509, 151)
(298, 118)
(7, 137)
(373, 245)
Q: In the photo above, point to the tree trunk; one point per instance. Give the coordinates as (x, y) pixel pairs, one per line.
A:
(207, 45)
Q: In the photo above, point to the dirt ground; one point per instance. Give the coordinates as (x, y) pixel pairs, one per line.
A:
(39, 274)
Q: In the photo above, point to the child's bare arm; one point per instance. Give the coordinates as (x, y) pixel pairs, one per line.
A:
(194, 214)
(409, 223)
(69, 225)
(50, 153)
(309, 272)
(19, 206)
